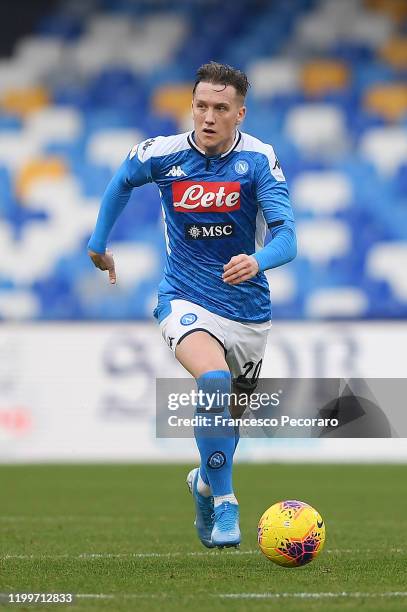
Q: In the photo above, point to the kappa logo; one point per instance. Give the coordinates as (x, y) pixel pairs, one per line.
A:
(176, 172)
(206, 196)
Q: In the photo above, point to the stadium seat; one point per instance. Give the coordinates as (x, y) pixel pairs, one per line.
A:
(385, 148)
(25, 100)
(394, 52)
(283, 287)
(388, 101)
(173, 100)
(269, 77)
(395, 9)
(17, 148)
(42, 55)
(321, 240)
(315, 32)
(323, 76)
(37, 169)
(110, 147)
(337, 302)
(110, 26)
(317, 129)
(15, 76)
(388, 261)
(18, 304)
(321, 192)
(55, 124)
(369, 28)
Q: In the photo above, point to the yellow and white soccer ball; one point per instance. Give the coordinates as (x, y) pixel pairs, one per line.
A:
(291, 533)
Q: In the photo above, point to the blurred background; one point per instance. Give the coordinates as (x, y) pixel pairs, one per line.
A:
(82, 81)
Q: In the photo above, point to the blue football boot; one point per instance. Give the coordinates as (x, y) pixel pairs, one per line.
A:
(204, 510)
(226, 531)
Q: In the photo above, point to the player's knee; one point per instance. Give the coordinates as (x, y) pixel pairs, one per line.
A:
(215, 387)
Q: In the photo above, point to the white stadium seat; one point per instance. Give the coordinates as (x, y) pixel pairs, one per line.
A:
(169, 29)
(55, 196)
(337, 302)
(323, 192)
(322, 240)
(17, 148)
(340, 20)
(143, 54)
(91, 55)
(269, 77)
(388, 261)
(385, 148)
(105, 26)
(18, 304)
(15, 75)
(317, 128)
(110, 147)
(135, 261)
(316, 32)
(282, 285)
(58, 123)
(42, 54)
(369, 29)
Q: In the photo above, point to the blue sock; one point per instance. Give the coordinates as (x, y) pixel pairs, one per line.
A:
(216, 442)
(202, 469)
(203, 474)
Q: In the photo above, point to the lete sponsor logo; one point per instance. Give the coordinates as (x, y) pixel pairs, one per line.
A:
(206, 196)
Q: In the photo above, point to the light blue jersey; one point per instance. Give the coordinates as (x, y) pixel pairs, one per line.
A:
(213, 208)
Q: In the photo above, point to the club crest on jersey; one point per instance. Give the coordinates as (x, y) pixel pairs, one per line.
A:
(206, 196)
(241, 166)
(176, 172)
(188, 319)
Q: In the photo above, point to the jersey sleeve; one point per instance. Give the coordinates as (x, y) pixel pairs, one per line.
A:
(271, 189)
(134, 172)
(138, 164)
(273, 199)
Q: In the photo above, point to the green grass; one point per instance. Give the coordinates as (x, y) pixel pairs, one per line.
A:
(57, 513)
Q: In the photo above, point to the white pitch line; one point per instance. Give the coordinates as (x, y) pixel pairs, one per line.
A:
(169, 555)
(67, 518)
(344, 594)
(129, 555)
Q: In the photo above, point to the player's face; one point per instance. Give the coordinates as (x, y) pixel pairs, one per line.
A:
(216, 111)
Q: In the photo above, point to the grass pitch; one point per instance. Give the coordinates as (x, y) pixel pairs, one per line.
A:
(122, 538)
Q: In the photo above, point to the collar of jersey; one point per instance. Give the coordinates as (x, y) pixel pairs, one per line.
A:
(193, 145)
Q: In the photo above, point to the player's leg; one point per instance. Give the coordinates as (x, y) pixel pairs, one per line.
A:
(246, 344)
(203, 356)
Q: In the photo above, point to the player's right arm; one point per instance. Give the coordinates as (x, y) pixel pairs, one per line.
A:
(134, 171)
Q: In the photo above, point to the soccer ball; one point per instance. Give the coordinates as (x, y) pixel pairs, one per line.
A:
(291, 533)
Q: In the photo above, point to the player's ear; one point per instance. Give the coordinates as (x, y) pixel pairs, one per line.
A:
(241, 114)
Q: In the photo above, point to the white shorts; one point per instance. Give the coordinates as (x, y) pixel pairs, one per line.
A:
(244, 343)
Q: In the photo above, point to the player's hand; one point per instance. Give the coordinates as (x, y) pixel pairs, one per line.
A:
(104, 262)
(239, 269)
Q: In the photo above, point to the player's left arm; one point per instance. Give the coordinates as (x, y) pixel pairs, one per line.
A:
(273, 198)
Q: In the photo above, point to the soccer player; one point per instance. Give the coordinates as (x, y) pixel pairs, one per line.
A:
(220, 190)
